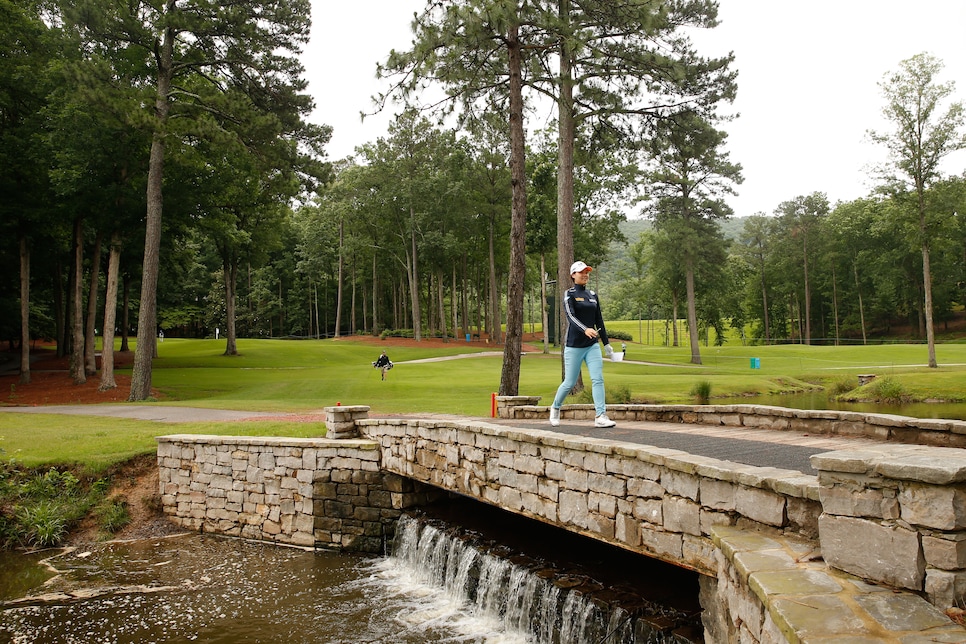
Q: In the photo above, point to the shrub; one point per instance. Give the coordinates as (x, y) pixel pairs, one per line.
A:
(49, 485)
(888, 390)
(42, 506)
(396, 333)
(113, 515)
(42, 524)
(619, 395)
(702, 392)
(616, 395)
(617, 334)
(843, 385)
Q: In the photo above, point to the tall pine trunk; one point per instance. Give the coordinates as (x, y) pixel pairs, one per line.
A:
(230, 273)
(493, 320)
(566, 130)
(543, 303)
(24, 310)
(513, 347)
(855, 274)
(90, 359)
(147, 312)
(110, 314)
(808, 293)
(414, 278)
(692, 314)
(77, 307)
(341, 278)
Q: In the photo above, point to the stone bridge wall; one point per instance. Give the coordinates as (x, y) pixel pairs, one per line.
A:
(786, 557)
(881, 427)
(655, 501)
(314, 493)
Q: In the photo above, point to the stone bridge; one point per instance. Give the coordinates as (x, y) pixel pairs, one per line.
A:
(874, 546)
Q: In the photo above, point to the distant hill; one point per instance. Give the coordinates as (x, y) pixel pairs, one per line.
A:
(632, 229)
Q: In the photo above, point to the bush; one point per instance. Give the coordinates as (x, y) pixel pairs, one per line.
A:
(113, 515)
(888, 390)
(702, 392)
(42, 506)
(49, 485)
(617, 334)
(843, 385)
(396, 333)
(617, 395)
(42, 524)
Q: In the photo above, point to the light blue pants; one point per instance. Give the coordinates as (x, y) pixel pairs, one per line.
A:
(573, 357)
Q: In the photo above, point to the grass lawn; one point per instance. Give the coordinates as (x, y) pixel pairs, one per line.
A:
(307, 375)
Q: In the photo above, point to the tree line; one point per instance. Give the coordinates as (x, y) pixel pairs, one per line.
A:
(180, 128)
(833, 272)
(161, 168)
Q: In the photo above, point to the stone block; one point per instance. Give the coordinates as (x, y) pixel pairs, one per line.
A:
(681, 515)
(710, 519)
(635, 468)
(681, 484)
(933, 506)
(606, 484)
(644, 488)
(946, 551)
(945, 588)
(548, 489)
(595, 463)
(803, 516)
(511, 499)
(572, 508)
(575, 479)
(899, 612)
(717, 495)
(627, 530)
(882, 553)
(649, 510)
(661, 543)
(760, 505)
(602, 526)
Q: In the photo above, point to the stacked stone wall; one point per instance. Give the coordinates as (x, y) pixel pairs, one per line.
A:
(897, 515)
(656, 501)
(314, 493)
(882, 427)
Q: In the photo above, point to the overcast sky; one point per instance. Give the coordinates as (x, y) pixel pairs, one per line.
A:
(808, 75)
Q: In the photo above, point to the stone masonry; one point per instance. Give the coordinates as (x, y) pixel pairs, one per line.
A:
(655, 501)
(786, 557)
(315, 493)
(896, 514)
(881, 427)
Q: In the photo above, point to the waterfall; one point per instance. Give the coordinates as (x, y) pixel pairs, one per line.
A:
(523, 603)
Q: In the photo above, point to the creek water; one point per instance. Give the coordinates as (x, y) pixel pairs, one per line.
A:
(442, 583)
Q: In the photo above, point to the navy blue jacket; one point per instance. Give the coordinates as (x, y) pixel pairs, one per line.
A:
(583, 312)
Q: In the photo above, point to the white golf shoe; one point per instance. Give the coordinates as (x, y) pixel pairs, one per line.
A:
(603, 421)
(554, 416)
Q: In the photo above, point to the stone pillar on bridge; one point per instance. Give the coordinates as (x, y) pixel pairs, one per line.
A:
(340, 421)
(896, 514)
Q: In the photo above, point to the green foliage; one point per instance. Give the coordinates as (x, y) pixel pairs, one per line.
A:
(701, 391)
(396, 333)
(619, 334)
(44, 504)
(887, 390)
(842, 385)
(43, 524)
(112, 515)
